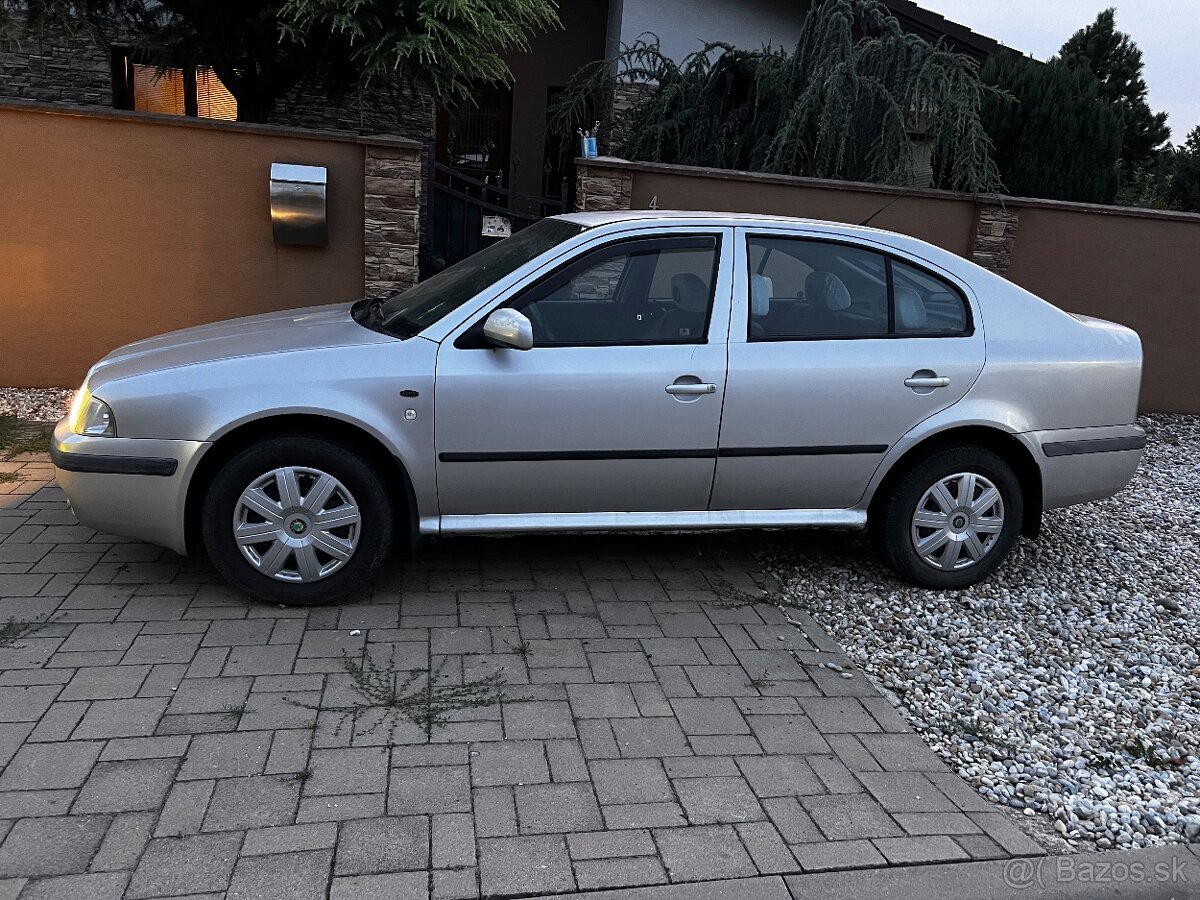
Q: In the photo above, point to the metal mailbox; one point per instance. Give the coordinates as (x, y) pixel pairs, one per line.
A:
(298, 204)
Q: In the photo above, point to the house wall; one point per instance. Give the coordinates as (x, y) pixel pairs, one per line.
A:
(685, 26)
(551, 60)
(1132, 266)
(52, 66)
(117, 226)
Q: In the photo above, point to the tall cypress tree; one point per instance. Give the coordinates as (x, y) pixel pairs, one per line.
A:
(1056, 137)
(1116, 63)
(1184, 192)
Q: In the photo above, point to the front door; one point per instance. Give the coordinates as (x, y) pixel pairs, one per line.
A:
(617, 406)
(836, 351)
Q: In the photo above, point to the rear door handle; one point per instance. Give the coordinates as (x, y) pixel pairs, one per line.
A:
(690, 390)
(926, 381)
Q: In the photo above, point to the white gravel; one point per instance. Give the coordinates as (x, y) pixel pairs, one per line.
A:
(35, 404)
(1068, 685)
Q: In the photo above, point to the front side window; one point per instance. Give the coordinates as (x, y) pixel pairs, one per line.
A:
(650, 291)
(802, 289)
(414, 310)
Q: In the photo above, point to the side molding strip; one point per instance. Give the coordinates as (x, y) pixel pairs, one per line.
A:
(1097, 445)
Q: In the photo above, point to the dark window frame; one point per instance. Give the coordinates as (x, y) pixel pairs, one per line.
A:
(472, 337)
(888, 258)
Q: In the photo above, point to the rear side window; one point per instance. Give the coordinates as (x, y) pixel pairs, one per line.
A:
(803, 289)
(809, 289)
(925, 304)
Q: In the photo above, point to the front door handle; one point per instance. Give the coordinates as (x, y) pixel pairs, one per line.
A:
(691, 390)
(927, 382)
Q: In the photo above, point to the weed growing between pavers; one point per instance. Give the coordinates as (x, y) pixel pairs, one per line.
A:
(18, 436)
(733, 597)
(762, 682)
(12, 631)
(385, 699)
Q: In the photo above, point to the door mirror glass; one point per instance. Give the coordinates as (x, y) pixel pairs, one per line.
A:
(509, 328)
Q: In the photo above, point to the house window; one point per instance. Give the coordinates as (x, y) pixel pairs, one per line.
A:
(193, 91)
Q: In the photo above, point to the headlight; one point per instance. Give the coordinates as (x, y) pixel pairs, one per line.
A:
(91, 416)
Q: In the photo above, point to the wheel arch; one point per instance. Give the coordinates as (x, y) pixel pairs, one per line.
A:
(388, 465)
(1002, 443)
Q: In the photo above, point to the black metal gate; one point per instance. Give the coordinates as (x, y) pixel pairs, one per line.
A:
(457, 204)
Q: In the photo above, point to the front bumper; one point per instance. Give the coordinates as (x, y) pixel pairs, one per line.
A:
(132, 487)
(1082, 464)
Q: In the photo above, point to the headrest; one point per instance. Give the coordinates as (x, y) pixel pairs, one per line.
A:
(690, 292)
(761, 289)
(910, 310)
(827, 291)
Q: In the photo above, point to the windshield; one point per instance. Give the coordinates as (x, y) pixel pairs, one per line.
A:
(420, 306)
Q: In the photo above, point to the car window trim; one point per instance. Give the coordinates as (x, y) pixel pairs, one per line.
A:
(889, 256)
(702, 240)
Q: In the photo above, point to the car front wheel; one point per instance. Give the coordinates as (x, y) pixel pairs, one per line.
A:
(950, 521)
(297, 520)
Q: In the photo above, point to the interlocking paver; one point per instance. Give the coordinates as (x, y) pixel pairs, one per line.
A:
(294, 876)
(372, 846)
(635, 700)
(134, 717)
(630, 781)
(97, 886)
(845, 817)
(508, 762)
(429, 789)
(185, 865)
(721, 799)
(226, 755)
(525, 865)
(356, 770)
(256, 802)
(126, 786)
(58, 845)
(394, 886)
(602, 701)
(48, 766)
(650, 737)
(538, 720)
(702, 853)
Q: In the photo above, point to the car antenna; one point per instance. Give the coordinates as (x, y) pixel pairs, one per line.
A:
(903, 193)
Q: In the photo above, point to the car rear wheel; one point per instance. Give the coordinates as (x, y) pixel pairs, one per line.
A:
(950, 521)
(297, 520)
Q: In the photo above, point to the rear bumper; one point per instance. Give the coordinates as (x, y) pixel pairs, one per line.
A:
(1082, 464)
(131, 487)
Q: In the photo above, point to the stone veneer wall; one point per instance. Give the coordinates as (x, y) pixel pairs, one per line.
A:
(391, 215)
(54, 67)
(602, 188)
(995, 237)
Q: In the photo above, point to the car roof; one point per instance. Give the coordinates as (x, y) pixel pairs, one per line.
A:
(683, 216)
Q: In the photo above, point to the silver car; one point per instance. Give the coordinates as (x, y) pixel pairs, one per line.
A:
(611, 371)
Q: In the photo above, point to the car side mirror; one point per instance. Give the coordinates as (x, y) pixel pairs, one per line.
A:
(509, 328)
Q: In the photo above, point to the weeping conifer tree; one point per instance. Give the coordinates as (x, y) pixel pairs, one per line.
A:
(849, 102)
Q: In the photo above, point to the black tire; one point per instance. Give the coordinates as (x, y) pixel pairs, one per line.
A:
(343, 463)
(893, 523)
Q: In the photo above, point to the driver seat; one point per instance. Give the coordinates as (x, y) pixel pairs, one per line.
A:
(685, 321)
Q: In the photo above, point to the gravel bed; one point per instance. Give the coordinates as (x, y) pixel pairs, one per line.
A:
(1066, 686)
(35, 404)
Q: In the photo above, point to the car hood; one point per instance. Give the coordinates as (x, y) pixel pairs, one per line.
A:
(279, 332)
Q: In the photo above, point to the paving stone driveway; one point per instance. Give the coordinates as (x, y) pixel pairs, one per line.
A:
(161, 736)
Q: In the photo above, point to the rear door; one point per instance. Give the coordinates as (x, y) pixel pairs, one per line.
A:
(617, 406)
(837, 349)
